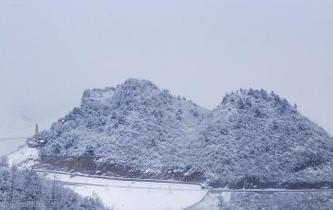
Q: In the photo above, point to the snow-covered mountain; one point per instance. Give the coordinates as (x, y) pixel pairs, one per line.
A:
(256, 139)
(252, 139)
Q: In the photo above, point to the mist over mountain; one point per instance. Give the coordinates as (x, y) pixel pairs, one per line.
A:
(252, 139)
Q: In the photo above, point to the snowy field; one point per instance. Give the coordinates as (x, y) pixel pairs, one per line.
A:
(129, 195)
(120, 195)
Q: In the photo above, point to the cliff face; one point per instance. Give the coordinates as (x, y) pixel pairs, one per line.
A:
(251, 139)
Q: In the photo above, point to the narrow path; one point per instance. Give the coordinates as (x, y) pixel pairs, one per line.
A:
(216, 190)
(269, 190)
(118, 186)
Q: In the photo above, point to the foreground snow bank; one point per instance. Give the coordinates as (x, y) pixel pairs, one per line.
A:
(129, 195)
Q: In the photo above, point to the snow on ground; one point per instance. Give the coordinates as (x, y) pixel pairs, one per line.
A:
(209, 202)
(129, 195)
(120, 195)
(226, 196)
(24, 157)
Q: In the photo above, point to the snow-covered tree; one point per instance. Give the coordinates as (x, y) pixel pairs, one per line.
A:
(24, 190)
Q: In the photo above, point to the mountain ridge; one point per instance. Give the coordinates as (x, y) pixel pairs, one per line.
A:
(251, 139)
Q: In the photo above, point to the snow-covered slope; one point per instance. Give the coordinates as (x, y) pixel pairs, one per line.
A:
(211, 201)
(23, 157)
(134, 129)
(252, 139)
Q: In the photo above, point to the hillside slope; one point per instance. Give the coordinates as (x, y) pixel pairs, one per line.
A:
(256, 139)
(134, 129)
(252, 139)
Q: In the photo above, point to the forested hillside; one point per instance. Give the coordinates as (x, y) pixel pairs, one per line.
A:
(135, 129)
(252, 139)
(257, 139)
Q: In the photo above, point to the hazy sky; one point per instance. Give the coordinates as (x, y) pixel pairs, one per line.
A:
(50, 51)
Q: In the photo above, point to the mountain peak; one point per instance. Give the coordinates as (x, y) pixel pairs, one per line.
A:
(133, 84)
(130, 89)
(254, 98)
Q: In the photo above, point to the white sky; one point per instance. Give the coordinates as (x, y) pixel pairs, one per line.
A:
(50, 51)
